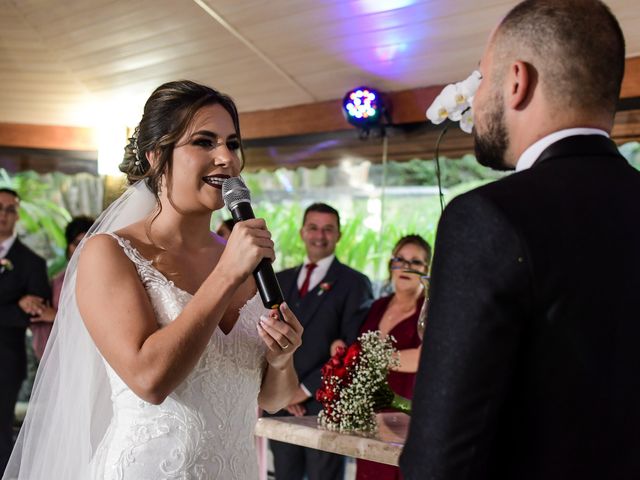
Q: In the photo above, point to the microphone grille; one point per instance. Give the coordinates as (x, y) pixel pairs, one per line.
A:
(234, 191)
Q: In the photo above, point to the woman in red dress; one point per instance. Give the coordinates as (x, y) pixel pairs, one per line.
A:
(397, 315)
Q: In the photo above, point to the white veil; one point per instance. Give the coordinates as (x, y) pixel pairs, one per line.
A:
(70, 406)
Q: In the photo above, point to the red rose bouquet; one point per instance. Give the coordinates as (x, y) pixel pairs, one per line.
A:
(354, 385)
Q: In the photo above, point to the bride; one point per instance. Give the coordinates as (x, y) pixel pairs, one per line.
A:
(162, 350)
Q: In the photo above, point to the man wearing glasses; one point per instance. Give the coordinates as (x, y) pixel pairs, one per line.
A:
(24, 291)
(331, 301)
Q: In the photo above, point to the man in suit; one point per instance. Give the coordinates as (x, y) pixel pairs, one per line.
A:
(24, 291)
(529, 368)
(331, 301)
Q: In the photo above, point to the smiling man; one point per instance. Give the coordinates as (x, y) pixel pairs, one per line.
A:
(331, 301)
(529, 368)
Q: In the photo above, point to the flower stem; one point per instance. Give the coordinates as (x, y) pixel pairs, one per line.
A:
(438, 174)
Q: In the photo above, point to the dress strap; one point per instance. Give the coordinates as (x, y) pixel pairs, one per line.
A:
(149, 274)
(129, 250)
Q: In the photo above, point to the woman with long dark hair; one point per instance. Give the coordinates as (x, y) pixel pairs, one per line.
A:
(162, 350)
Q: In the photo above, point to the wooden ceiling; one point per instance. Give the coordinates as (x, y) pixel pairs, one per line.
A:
(69, 66)
(75, 62)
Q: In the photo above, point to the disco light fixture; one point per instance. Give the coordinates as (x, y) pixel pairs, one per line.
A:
(363, 107)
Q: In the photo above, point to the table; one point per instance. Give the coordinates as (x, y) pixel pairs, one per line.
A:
(384, 446)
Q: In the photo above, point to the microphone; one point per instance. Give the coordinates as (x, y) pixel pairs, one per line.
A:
(238, 200)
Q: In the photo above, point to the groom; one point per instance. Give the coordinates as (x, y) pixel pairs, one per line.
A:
(530, 366)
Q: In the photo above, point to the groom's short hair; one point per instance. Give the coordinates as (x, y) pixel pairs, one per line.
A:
(576, 46)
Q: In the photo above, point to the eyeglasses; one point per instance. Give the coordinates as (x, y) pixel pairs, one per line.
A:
(9, 209)
(403, 262)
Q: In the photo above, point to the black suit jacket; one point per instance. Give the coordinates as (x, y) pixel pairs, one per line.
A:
(326, 316)
(531, 360)
(29, 276)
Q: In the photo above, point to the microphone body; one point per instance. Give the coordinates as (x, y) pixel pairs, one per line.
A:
(240, 208)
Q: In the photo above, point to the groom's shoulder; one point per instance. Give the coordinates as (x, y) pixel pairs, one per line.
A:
(503, 194)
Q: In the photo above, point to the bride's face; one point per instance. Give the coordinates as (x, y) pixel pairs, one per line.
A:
(206, 154)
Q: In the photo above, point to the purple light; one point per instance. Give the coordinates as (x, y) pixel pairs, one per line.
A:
(377, 6)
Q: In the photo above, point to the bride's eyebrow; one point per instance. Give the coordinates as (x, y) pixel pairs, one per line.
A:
(213, 135)
(205, 133)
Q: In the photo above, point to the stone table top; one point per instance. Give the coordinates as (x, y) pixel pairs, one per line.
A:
(384, 446)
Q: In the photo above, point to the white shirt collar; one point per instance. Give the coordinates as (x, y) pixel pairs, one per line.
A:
(317, 274)
(7, 244)
(531, 154)
(322, 263)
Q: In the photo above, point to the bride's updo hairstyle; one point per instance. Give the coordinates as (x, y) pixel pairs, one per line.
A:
(167, 115)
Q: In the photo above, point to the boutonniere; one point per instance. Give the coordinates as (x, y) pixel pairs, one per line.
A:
(5, 265)
(324, 287)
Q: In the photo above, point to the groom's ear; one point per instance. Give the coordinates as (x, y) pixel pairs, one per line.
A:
(521, 84)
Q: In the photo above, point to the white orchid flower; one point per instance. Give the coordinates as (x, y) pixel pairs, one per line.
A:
(470, 86)
(466, 121)
(437, 113)
(443, 105)
(454, 102)
(450, 97)
(449, 102)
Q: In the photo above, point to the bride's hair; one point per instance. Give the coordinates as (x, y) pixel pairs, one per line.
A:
(167, 115)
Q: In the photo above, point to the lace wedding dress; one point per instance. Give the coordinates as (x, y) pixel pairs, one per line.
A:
(204, 429)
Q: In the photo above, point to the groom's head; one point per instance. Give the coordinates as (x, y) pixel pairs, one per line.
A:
(548, 65)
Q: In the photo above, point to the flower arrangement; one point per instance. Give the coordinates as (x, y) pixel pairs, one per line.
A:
(454, 103)
(5, 265)
(324, 287)
(354, 385)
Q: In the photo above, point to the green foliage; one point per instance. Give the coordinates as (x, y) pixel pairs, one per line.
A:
(421, 172)
(367, 238)
(631, 151)
(284, 222)
(39, 215)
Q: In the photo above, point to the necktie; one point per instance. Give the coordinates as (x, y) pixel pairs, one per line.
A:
(305, 285)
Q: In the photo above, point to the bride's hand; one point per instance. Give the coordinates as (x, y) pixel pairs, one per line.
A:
(281, 338)
(248, 244)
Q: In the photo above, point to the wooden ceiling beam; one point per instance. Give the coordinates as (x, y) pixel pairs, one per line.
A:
(631, 80)
(407, 106)
(47, 137)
